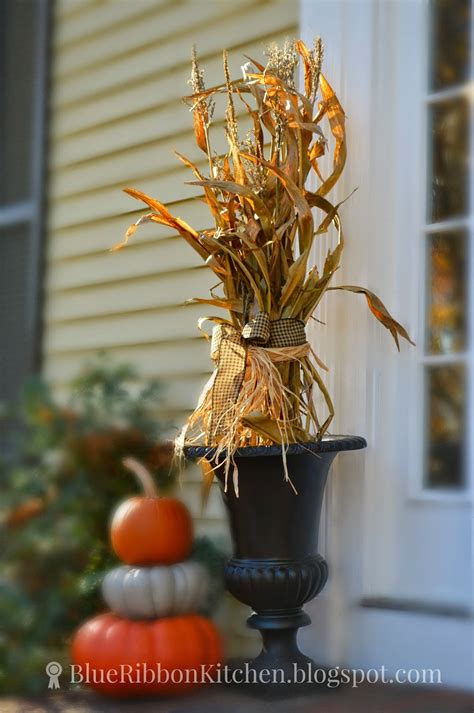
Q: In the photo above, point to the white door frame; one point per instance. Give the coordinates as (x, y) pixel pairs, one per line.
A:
(377, 64)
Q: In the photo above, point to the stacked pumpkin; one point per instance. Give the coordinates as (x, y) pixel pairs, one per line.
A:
(152, 626)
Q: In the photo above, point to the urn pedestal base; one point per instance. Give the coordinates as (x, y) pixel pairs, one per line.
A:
(281, 657)
(276, 589)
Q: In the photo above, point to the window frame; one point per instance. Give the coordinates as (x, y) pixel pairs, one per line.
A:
(418, 487)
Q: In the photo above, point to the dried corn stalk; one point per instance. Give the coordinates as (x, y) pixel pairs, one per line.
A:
(262, 390)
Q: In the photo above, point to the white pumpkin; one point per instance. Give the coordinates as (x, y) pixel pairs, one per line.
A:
(152, 592)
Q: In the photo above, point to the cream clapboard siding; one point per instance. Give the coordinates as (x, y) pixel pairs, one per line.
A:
(119, 70)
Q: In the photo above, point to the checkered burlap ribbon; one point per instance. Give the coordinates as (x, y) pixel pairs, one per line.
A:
(229, 351)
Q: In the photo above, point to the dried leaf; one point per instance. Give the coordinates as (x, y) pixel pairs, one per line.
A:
(317, 150)
(258, 206)
(211, 199)
(160, 208)
(307, 126)
(379, 310)
(235, 480)
(231, 305)
(185, 230)
(332, 215)
(199, 129)
(218, 88)
(304, 52)
(264, 426)
(244, 269)
(336, 118)
(270, 430)
(295, 279)
(207, 480)
(297, 195)
(259, 66)
(211, 318)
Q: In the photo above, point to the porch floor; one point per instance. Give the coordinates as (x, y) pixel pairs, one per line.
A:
(217, 699)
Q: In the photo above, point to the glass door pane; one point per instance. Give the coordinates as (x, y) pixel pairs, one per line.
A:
(450, 30)
(445, 426)
(449, 158)
(446, 303)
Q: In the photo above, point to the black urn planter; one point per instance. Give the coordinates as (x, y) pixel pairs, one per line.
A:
(276, 568)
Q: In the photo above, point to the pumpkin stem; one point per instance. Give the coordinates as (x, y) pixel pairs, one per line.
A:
(143, 475)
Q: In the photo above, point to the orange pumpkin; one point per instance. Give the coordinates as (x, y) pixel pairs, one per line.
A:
(107, 648)
(151, 529)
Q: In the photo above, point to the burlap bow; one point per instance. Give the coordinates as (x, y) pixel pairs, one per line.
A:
(229, 350)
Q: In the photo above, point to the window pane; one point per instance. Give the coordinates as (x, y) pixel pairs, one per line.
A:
(15, 358)
(447, 292)
(449, 157)
(450, 29)
(445, 452)
(17, 49)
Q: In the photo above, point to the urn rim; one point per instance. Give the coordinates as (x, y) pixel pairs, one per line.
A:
(328, 444)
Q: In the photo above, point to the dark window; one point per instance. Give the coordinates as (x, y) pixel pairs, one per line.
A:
(24, 30)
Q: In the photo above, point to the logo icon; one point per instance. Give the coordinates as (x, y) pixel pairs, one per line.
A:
(53, 670)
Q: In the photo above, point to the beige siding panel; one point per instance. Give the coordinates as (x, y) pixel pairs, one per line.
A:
(161, 123)
(135, 293)
(173, 185)
(140, 32)
(155, 125)
(100, 18)
(146, 259)
(150, 361)
(153, 157)
(125, 166)
(241, 28)
(155, 326)
(74, 242)
(147, 92)
(110, 201)
(181, 394)
(67, 8)
(178, 396)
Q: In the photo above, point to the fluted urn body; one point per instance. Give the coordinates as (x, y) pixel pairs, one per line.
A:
(274, 522)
